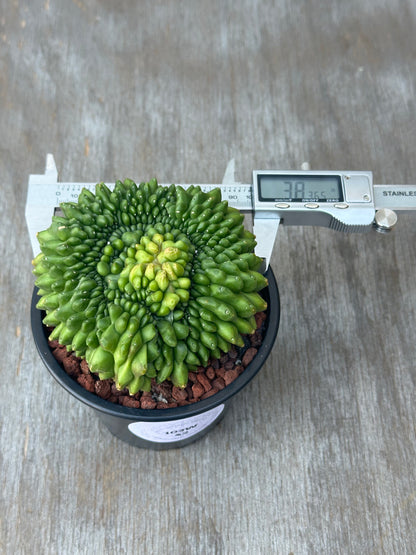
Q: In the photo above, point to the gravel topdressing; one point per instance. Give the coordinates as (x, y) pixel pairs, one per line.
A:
(201, 384)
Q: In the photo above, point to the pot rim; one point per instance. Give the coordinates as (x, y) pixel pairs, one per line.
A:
(160, 415)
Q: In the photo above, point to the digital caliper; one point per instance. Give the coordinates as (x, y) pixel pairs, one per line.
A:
(340, 200)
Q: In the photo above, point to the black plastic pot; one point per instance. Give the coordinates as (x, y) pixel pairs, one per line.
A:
(162, 428)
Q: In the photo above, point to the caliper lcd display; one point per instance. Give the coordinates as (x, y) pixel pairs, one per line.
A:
(299, 188)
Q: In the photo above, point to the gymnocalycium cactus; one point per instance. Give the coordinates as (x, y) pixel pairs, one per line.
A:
(148, 281)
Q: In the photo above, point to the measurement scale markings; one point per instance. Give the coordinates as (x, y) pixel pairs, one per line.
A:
(53, 194)
(344, 201)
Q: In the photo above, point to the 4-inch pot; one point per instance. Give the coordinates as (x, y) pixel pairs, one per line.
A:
(162, 428)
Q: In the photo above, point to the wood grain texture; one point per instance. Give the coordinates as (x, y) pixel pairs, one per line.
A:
(317, 454)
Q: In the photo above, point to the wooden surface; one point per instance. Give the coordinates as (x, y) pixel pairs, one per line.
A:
(318, 454)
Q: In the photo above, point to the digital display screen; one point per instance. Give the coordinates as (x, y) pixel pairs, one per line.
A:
(300, 188)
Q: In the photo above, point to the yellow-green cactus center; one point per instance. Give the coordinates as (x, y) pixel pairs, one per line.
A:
(159, 272)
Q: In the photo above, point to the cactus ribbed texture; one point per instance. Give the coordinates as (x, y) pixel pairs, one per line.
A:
(148, 281)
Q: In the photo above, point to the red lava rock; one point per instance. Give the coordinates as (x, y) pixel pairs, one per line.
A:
(71, 366)
(256, 339)
(220, 372)
(210, 373)
(249, 355)
(146, 394)
(218, 383)
(163, 391)
(260, 318)
(215, 364)
(117, 392)
(223, 359)
(233, 353)
(229, 364)
(128, 401)
(87, 382)
(198, 390)
(209, 393)
(162, 405)
(192, 377)
(179, 394)
(84, 366)
(103, 388)
(60, 353)
(54, 344)
(204, 381)
(240, 369)
(147, 403)
(230, 376)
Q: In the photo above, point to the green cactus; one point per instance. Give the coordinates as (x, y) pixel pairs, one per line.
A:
(148, 281)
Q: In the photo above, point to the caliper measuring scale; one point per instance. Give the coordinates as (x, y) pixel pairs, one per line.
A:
(345, 201)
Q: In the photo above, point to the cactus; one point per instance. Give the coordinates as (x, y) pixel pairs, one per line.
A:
(148, 281)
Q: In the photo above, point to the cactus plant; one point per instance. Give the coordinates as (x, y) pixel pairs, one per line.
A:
(148, 281)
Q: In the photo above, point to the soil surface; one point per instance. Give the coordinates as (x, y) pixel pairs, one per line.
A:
(201, 384)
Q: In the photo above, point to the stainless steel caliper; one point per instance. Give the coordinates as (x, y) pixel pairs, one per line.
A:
(346, 201)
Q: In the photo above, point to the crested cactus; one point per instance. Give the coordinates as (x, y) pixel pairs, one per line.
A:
(148, 281)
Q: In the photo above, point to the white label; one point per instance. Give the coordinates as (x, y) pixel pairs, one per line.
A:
(175, 430)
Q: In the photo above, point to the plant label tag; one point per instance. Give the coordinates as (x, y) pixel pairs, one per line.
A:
(175, 430)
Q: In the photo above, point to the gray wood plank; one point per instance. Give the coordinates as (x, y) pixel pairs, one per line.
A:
(317, 454)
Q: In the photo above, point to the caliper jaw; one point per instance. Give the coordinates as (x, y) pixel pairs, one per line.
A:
(265, 230)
